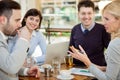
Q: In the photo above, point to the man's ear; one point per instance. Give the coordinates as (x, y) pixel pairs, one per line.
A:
(3, 19)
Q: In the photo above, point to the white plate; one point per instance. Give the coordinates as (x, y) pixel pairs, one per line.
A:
(65, 78)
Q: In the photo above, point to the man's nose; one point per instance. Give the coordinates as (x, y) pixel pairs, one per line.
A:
(19, 25)
(86, 16)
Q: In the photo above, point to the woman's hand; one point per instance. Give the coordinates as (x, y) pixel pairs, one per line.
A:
(25, 33)
(80, 55)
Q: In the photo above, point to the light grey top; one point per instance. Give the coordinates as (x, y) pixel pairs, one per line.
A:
(12, 63)
(112, 56)
(37, 39)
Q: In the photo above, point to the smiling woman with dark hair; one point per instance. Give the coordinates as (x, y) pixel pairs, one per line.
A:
(32, 12)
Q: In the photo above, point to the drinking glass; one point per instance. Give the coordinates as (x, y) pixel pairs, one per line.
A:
(30, 61)
(56, 66)
(69, 60)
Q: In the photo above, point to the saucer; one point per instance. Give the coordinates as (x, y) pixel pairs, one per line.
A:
(65, 78)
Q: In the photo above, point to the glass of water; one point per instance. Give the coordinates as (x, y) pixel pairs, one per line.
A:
(56, 66)
(30, 61)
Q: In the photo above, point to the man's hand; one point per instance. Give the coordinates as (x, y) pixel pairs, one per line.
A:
(25, 33)
(34, 71)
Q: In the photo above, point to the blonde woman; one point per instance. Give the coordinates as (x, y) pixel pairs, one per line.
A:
(111, 19)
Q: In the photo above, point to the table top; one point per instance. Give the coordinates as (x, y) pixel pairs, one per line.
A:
(43, 77)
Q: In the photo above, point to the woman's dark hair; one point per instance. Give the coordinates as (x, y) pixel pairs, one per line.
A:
(32, 12)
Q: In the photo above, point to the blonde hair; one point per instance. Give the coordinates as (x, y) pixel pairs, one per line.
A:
(113, 9)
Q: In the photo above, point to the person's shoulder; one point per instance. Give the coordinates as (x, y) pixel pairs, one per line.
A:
(114, 47)
(1, 39)
(37, 32)
(76, 26)
(99, 25)
(115, 42)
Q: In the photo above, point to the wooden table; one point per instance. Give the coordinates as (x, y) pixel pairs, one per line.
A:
(76, 77)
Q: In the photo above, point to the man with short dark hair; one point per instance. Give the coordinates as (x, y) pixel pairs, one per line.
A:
(11, 63)
(89, 34)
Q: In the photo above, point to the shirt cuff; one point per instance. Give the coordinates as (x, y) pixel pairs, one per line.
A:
(25, 71)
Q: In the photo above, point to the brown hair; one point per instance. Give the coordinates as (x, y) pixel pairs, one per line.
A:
(86, 3)
(32, 12)
(6, 7)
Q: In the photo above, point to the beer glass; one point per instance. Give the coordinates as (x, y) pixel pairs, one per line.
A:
(69, 60)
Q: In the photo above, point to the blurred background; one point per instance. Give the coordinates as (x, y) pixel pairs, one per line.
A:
(59, 16)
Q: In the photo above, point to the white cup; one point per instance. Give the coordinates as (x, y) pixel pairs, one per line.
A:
(47, 69)
(65, 73)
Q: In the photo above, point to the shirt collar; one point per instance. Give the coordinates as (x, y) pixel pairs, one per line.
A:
(33, 33)
(4, 36)
(90, 28)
